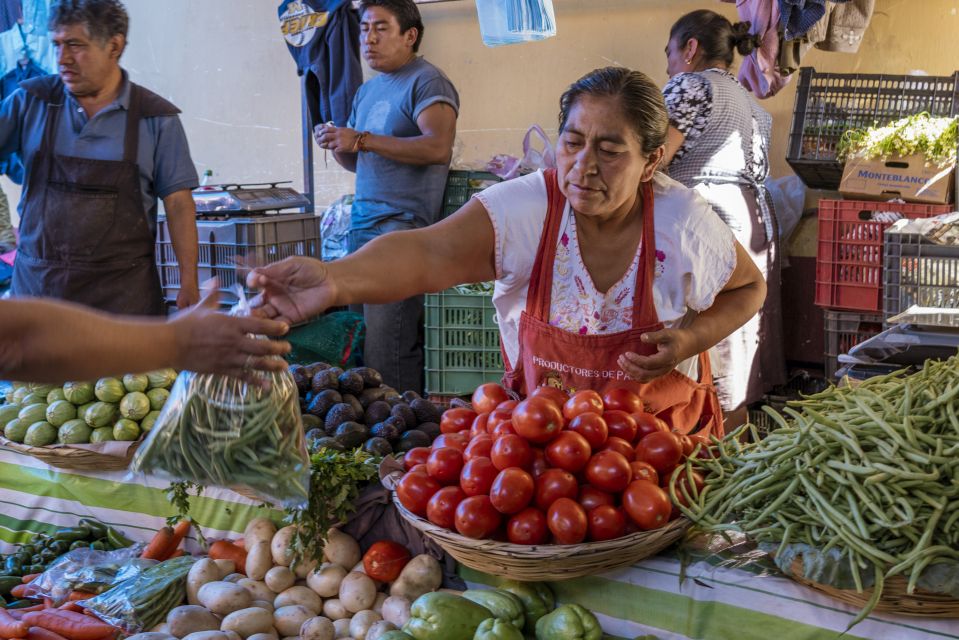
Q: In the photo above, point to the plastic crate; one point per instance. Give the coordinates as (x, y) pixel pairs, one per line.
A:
(461, 185)
(462, 345)
(843, 331)
(919, 272)
(849, 257)
(223, 244)
(829, 104)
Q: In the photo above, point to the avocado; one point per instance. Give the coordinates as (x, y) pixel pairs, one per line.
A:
(351, 400)
(300, 377)
(351, 434)
(410, 396)
(377, 412)
(369, 396)
(323, 402)
(404, 414)
(338, 414)
(326, 443)
(311, 421)
(425, 411)
(325, 379)
(371, 377)
(377, 447)
(431, 429)
(412, 439)
(350, 382)
(385, 430)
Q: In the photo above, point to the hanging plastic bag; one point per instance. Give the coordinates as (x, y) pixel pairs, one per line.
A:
(88, 571)
(507, 167)
(513, 21)
(335, 229)
(225, 431)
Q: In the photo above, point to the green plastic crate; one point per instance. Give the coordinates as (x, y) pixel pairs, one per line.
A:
(461, 185)
(462, 343)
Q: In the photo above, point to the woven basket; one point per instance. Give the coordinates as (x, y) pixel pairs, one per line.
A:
(547, 562)
(67, 457)
(894, 598)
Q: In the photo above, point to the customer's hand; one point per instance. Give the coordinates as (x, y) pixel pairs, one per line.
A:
(292, 290)
(339, 139)
(673, 346)
(208, 341)
(188, 296)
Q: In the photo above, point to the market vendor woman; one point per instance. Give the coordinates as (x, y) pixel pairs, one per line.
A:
(605, 269)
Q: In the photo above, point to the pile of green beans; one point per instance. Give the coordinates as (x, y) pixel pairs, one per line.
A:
(871, 471)
(222, 431)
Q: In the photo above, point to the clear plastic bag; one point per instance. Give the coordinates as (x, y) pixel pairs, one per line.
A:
(229, 432)
(335, 229)
(90, 571)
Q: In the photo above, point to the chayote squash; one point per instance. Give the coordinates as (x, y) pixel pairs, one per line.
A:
(444, 616)
(502, 604)
(569, 622)
(537, 598)
(493, 629)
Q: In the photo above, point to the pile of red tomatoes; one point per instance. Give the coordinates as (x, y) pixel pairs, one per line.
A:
(551, 468)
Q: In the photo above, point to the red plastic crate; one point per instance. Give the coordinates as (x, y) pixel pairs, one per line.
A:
(849, 257)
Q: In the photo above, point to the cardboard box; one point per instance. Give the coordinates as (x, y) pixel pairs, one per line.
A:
(906, 177)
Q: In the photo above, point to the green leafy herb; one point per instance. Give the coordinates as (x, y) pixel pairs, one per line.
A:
(178, 494)
(935, 138)
(335, 482)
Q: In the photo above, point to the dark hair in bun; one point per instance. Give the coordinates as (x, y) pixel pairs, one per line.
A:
(718, 38)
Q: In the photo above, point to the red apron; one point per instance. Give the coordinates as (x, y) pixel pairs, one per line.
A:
(549, 355)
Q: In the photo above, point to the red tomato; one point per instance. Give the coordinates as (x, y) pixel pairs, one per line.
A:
(419, 468)
(441, 508)
(608, 471)
(539, 464)
(487, 396)
(662, 449)
(503, 429)
(477, 476)
(646, 504)
(479, 425)
(476, 518)
(620, 446)
(497, 417)
(586, 401)
(682, 486)
(551, 393)
(592, 427)
(512, 490)
(415, 456)
(445, 465)
(647, 423)
(454, 440)
(507, 405)
(384, 560)
(606, 522)
(567, 521)
(511, 451)
(686, 442)
(569, 451)
(456, 420)
(644, 471)
(415, 490)
(479, 447)
(705, 449)
(527, 527)
(591, 497)
(621, 425)
(537, 419)
(553, 484)
(620, 399)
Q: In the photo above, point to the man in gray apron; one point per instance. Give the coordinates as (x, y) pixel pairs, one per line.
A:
(98, 152)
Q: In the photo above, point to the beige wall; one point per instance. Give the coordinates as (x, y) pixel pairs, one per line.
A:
(226, 65)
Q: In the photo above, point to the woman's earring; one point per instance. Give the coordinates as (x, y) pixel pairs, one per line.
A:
(688, 60)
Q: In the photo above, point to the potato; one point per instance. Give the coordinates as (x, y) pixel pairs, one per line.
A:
(378, 629)
(154, 635)
(326, 580)
(396, 609)
(202, 572)
(258, 530)
(161, 628)
(279, 579)
(264, 604)
(233, 635)
(342, 628)
(259, 560)
(288, 620)
(342, 549)
(190, 618)
(318, 628)
(248, 622)
(334, 609)
(280, 546)
(378, 603)
(304, 568)
(357, 592)
(224, 597)
(234, 577)
(362, 622)
(226, 567)
(303, 596)
(265, 636)
(421, 575)
(207, 635)
(258, 590)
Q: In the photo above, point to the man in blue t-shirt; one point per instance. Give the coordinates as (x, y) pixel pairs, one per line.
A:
(399, 141)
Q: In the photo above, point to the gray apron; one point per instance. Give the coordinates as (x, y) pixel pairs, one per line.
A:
(84, 235)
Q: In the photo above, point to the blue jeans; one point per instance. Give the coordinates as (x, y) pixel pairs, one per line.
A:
(394, 332)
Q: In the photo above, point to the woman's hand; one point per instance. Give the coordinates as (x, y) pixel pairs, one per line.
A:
(292, 290)
(338, 139)
(208, 341)
(674, 346)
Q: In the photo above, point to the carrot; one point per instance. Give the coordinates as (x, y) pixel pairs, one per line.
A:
(19, 613)
(80, 595)
(71, 606)
(223, 550)
(39, 633)
(10, 627)
(30, 577)
(23, 591)
(70, 625)
(48, 603)
(177, 554)
(158, 545)
(179, 532)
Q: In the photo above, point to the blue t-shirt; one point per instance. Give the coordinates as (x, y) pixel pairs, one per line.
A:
(389, 104)
(163, 154)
